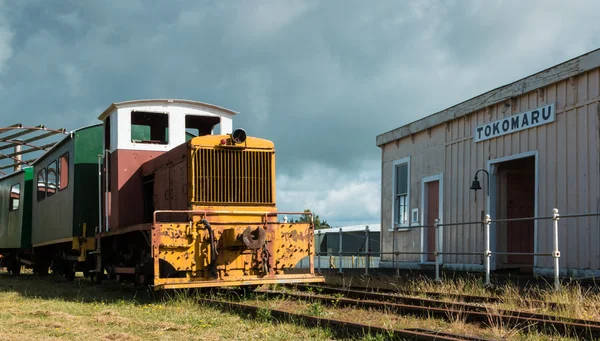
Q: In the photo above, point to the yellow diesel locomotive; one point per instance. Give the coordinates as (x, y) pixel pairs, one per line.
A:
(183, 205)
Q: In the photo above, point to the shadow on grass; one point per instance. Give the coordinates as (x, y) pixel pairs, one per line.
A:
(83, 290)
(79, 290)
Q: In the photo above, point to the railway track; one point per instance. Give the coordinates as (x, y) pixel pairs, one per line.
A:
(341, 328)
(477, 299)
(428, 307)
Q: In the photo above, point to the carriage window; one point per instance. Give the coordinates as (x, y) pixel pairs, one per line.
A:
(149, 127)
(51, 183)
(15, 197)
(63, 171)
(41, 184)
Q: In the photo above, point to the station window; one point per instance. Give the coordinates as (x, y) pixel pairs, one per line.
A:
(149, 127)
(63, 171)
(41, 184)
(52, 177)
(15, 197)
(401, 192)
(200, 125)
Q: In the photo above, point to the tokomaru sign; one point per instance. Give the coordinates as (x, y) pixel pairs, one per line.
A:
(529, 119)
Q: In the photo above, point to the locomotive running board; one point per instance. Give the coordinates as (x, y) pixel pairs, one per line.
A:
(212, 284)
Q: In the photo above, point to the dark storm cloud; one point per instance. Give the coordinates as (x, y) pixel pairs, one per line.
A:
(319, 78)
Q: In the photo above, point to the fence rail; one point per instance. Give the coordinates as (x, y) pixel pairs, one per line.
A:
(366, 256)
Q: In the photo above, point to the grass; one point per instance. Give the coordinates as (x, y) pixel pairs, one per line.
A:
(53, 309)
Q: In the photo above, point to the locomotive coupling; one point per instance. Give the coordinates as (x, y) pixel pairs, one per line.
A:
(249, 240)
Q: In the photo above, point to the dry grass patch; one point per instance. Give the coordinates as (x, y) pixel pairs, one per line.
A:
(574, 300)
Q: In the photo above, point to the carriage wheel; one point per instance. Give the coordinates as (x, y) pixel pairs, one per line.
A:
(15, 266)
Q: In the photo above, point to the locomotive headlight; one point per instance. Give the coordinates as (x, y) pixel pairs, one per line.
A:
(239, 135)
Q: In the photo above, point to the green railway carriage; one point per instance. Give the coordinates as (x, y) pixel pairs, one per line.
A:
(65, 202)
(15, 219)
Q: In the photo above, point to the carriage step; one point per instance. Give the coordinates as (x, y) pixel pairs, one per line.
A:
(95, 252)
(93, 271)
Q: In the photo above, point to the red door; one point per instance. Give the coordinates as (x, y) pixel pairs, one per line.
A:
(520, 236)
(433, 205)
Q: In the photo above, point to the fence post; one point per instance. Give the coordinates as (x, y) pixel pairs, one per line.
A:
(556, 253)
(368, 251)
(319, 251)
(340, 252)
(437, 248)
(488, 253)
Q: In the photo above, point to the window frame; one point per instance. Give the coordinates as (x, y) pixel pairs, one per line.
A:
(37, 182)
(10, 201)
(150, 142)
(48, 172)
(191, 122)
(406, 224)
(58, 171)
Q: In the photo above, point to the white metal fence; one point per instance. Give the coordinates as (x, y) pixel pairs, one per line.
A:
(341, 259)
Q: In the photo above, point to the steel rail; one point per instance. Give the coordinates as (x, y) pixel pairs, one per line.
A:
(430, 294)
(437, 295)
(341, 327)
(445, 310)
(361, 294)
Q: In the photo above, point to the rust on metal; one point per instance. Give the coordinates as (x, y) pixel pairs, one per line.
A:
(251, 242)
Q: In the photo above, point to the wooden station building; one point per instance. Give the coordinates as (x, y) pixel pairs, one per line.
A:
(537, 138)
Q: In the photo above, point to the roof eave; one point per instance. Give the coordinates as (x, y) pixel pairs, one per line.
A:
(117, 105)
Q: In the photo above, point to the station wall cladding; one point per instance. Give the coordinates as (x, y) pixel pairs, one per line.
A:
(559, 122)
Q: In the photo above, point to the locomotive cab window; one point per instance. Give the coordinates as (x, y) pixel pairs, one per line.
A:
(200, 125)
(41, 184)
(15, 197)
(51, 183)
(149, 127)
(63, 171)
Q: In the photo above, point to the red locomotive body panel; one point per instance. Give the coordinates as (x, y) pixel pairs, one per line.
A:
(126, 184)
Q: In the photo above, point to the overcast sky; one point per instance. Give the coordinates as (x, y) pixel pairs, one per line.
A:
(320, 78)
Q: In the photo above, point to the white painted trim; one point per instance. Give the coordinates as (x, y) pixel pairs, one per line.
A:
(394, 164)
(120, 123)
(493, 197)
(437, 177)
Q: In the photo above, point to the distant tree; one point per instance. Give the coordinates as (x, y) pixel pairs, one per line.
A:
(305, 218)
